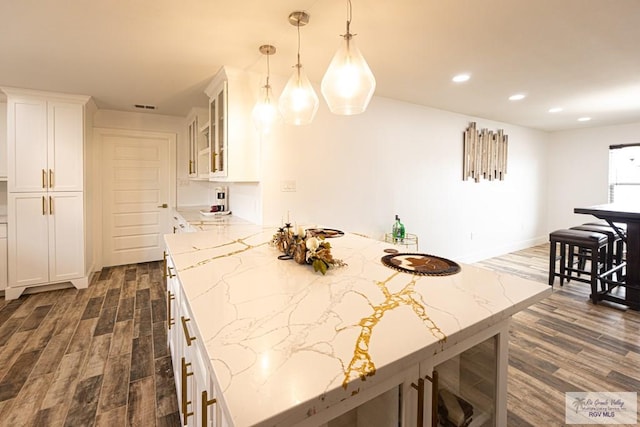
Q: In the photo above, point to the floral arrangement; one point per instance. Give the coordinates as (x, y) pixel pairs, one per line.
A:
(305, 249)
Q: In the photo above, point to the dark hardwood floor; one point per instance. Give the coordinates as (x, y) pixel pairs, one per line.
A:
(99, 357)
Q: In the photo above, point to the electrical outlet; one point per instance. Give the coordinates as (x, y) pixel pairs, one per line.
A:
(288, 186)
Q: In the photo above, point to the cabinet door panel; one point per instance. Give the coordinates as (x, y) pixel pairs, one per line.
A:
(3, 256)
(27, 145)
(3, 139)
(65, 149)
(28, 239)
(66, 236)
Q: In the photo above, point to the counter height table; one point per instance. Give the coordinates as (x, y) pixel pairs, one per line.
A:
(628, 214)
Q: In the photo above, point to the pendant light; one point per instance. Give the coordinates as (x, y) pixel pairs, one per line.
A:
(265, 113)
(348, 84)
(298, 102)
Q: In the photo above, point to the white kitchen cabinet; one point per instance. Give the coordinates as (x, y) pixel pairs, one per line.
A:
(181, 225)
(233, 139)
(198, 143)
(44, 144)
(3, 141)
(475, 370)
(198, 392)
(46, 238)
(47, 241)
(3, 256)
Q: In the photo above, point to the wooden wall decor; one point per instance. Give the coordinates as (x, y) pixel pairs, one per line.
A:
(485, 154)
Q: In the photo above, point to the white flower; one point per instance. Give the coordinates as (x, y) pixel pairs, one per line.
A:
(312, 244)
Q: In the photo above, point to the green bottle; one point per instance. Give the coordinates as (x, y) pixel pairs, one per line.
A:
(398, 230)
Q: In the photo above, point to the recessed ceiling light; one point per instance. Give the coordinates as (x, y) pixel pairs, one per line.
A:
(517, 97)
(584, 119)
(555, 109)
(461, 78)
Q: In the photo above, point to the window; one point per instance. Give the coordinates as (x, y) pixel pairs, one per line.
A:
(624, 173)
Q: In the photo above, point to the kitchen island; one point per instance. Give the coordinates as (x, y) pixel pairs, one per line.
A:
(260, 341)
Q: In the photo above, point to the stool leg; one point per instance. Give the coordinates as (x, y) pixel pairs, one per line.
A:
(609, 256)
(618, 258)
(552, 262)
(595, 252)
(570, 260)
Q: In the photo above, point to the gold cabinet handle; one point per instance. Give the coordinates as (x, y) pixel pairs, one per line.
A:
(164, 262)
(188, 338)
(190, 167)
(205, 403)
(50, 178)
(420, 388)
(44, 178)
(434, 398)
(44, 205)
(163, 206)
(167, 270)
(170, 320)
(50, 205)
(185, 402)
(213, 161)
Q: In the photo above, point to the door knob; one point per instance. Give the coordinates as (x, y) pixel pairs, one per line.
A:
(163, 206)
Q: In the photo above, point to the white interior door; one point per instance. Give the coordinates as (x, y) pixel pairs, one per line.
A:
(135, 195)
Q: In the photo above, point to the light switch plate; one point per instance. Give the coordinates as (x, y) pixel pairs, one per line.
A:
(288, 185)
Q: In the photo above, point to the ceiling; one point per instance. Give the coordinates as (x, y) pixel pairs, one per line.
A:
(581, 55)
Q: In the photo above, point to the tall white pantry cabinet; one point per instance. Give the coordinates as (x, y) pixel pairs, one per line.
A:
(46, 209)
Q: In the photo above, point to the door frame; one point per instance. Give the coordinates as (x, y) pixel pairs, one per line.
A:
(98, 174)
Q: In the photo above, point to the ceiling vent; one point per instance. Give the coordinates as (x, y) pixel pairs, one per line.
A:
(144, 107)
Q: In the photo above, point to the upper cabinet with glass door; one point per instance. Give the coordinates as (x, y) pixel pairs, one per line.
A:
(234, 153)
(198, 143)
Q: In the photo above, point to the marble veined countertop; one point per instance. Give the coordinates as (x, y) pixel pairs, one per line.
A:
(200, 222)
(285, 341)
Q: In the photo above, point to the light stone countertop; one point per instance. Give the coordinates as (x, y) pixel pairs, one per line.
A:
(201, 222)
(285, 341)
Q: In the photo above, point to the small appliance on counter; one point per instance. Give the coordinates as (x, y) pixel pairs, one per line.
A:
(221, 202)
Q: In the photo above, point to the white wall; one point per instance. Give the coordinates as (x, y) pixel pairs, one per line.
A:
(578, 170)
(355, 173)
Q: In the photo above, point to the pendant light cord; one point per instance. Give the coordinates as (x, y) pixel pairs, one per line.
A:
(268, 73)
(298, 65)
(348, 35)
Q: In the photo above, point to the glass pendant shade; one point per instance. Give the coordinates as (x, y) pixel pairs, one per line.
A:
(265, 113)
(298, 102)
(348, 84)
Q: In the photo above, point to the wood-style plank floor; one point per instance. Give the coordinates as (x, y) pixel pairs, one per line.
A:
(564, 343)
(96, 356)
(99, 357)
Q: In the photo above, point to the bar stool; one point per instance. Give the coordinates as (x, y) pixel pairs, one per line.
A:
(615, 246)
(620, 226)
(580, 244)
